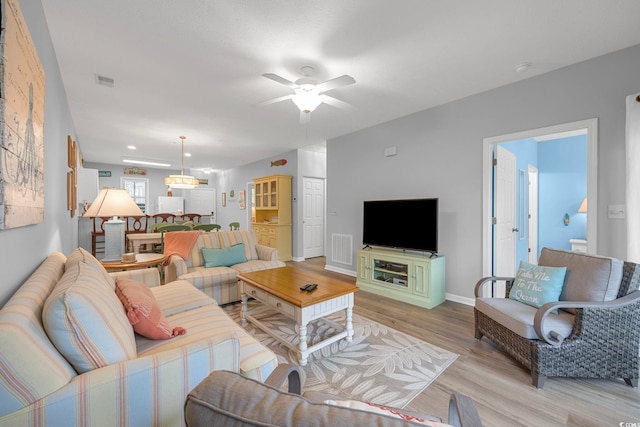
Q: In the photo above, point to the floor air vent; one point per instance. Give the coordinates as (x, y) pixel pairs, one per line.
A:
(342, 248)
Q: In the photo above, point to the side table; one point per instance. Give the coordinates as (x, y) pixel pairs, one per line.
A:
(142, 261)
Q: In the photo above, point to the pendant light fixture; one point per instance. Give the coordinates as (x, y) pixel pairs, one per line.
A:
(181, 181)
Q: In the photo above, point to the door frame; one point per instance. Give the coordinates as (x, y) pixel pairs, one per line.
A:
(487, 183)
(532, 211)
(249, 203)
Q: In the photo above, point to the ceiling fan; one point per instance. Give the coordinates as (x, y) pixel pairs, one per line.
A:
(308, 93)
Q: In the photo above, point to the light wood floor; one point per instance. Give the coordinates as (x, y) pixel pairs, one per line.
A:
(500, 386)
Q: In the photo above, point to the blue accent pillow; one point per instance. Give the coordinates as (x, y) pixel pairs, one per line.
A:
(225, 257)
(536, 285)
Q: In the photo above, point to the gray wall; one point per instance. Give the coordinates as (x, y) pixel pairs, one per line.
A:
(300, 163)
(155, 177)
(440, 155)
(238, 178)
(24, 248)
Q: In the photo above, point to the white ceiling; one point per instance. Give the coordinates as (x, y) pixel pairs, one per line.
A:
(193, 67)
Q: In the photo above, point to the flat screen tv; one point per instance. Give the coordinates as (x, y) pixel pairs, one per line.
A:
(404, 224)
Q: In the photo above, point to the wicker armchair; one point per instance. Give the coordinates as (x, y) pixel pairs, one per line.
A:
(604, 341)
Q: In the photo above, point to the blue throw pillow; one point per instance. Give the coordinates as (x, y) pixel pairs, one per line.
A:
(225, 257)
(536, 284)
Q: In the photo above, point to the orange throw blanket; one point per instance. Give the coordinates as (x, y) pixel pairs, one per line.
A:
(179, 243)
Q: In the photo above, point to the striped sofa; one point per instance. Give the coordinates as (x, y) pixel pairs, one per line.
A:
(97, 371)
(221, 283)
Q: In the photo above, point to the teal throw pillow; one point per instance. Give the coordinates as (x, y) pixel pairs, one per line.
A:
(224, 257)
(537, 285)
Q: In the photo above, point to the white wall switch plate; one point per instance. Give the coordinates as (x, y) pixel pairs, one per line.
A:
(616, 211)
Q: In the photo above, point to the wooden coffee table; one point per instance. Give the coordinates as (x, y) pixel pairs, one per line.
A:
(279, 289)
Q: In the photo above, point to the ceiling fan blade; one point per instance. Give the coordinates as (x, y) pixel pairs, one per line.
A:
(334, 102)
(274, 100)
(337, 82)
(281, 80)
(305, 117)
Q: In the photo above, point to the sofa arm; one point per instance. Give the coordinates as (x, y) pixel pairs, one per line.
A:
(208, 404)
(555, 339)
(148, 276)
(149, 390)
(175, 268)
(266, 253)
(492, 279)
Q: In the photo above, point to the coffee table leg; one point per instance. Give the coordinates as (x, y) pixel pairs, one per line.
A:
(349, 323)
(302, 335)
(244, 308)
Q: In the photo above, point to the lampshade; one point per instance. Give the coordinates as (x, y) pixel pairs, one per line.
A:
(583, 206)
(182, 180)
(113, 202)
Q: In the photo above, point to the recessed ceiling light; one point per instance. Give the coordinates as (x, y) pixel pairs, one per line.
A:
(131, 147)
(521, 68)
(187, 154)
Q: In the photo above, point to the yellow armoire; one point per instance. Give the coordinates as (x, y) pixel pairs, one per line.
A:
(272, 217)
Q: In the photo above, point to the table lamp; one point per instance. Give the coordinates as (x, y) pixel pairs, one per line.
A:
(113, 202)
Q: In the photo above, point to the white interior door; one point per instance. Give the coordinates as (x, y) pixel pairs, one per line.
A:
(505, 216)
(313, 217)
(533, 215)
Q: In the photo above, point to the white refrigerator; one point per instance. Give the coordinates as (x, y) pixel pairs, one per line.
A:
(174, 205)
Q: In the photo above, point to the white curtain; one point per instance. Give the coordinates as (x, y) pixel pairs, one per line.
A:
(633, 177)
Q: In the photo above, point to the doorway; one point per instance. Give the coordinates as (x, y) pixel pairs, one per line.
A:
(489, 145)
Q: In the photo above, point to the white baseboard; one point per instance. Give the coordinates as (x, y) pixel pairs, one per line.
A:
(461, 300)
(297, 259)
(340, 270)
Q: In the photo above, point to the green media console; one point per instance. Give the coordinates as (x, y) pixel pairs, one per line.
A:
(413, 278)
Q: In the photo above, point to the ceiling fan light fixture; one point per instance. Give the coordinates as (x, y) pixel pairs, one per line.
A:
(181, 181)
(306, 101)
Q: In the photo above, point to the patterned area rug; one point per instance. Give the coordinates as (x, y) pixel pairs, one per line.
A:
(380, 365)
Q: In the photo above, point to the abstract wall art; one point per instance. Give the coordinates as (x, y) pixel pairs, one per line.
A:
(22, 91)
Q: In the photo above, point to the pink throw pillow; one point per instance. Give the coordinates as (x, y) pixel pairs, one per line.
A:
(143, 311)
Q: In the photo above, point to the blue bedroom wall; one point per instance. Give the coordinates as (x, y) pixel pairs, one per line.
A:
(562, 165)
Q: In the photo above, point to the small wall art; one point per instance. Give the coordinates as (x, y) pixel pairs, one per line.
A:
(135, 171)
(72, 175)
(224, 199)
(241, 199)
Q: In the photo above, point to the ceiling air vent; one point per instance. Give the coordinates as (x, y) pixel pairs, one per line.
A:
(105, 81)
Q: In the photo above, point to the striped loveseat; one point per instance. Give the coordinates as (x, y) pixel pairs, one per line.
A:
(221, 282)
(69, 355)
